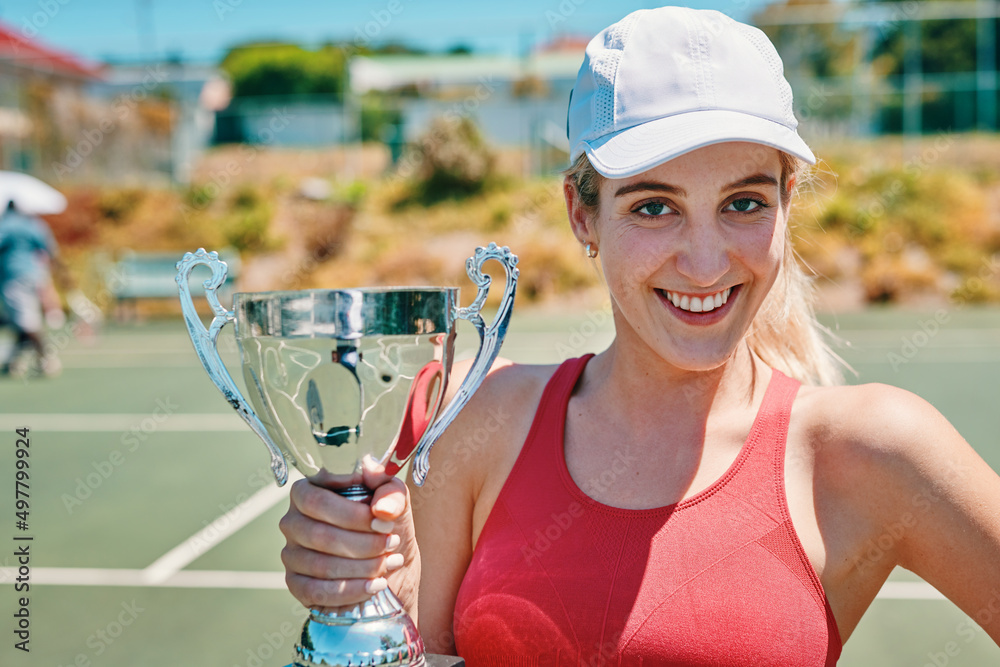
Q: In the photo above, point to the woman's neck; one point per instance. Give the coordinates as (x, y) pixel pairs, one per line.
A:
(631, 381)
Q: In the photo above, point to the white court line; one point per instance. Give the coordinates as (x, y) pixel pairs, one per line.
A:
(175, 560)
(74, 576)
(909, 590)
(117, 423)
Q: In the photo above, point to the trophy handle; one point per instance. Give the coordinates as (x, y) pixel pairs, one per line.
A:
(490, 340)
(206, 345)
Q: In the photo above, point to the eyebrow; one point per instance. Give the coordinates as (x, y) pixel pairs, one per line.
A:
(650, 185)
(657, 186)
(756, 179)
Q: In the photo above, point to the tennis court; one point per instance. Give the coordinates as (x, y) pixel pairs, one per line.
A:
(154, 520)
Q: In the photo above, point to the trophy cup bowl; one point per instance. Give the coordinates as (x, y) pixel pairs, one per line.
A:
(335, 375)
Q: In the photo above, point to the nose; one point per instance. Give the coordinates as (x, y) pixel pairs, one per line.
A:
(703, 252)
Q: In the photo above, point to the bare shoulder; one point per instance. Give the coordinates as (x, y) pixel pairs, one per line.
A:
(496, 420)
(506, 383)
(869, 422)
(879, 453)
(888, 461)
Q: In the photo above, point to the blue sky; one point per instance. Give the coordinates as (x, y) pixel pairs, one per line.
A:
(203, 29)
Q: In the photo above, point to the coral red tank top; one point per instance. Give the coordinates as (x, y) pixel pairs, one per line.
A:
(719, 579)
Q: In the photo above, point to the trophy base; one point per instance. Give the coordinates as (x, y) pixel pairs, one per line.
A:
(376, 632)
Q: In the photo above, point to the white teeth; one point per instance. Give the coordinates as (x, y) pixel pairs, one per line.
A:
(696, 304)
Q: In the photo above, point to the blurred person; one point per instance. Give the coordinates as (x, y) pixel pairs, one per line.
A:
(28, 254)
(705, 491)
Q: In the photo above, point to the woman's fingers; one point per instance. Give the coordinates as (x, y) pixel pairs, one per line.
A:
(322, 504)
(390, 500)
(339, 551)
(316, 565)
(302, 530)
(315, 593)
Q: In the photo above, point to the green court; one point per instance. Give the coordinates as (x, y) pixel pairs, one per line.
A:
(154, 521)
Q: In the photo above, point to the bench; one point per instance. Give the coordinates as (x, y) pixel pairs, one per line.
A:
(148, 275)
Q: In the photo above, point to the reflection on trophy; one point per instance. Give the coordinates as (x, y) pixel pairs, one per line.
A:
(334, 375)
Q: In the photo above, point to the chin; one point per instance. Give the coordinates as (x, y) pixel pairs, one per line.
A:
(699, 358)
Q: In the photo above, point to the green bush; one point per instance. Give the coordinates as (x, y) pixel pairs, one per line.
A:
(285, 69)
(249, 230)
(379, 118)
(200, 195)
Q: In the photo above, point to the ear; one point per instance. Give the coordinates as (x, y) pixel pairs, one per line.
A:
(579, 219)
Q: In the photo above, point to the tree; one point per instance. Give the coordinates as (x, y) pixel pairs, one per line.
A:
(276, 68)
(947, 47)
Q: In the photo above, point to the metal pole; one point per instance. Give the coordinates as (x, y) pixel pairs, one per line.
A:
(912, 79)
(986, 74)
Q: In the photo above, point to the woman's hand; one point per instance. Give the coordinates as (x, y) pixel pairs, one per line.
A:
(339, 552)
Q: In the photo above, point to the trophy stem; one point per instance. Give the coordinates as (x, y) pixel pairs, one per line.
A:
(358, 492)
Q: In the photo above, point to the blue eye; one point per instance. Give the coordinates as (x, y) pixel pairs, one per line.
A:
(653, 208)
(745, 205)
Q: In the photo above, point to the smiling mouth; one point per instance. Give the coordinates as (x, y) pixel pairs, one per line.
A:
(698, 304)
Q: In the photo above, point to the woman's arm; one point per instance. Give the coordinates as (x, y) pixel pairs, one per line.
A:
(927, 479)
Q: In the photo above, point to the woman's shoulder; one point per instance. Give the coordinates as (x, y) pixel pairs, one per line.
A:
(876, 434)
(507, 387)
(500, 412)
(505, 379)
(869, 416)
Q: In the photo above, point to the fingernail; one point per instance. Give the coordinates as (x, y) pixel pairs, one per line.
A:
(392, 542)
(387, 505)
(380, 526)
(393, 562)
(376, 585)
(369, 462)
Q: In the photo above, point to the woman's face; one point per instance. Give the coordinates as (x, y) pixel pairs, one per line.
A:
(690, 249)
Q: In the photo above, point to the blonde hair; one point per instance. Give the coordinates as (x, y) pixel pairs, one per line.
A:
(785, 333)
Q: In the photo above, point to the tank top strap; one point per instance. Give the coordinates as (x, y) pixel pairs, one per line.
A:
(758, 474)
(528, 488)
(777, 411)
(775, 415)
(550, 417)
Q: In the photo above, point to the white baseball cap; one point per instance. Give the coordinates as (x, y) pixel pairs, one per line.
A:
(662, 82)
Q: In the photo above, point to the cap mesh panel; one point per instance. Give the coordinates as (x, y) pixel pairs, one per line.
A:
(759, 40)
(605, 66)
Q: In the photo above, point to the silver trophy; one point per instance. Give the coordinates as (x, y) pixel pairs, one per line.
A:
(334, 375)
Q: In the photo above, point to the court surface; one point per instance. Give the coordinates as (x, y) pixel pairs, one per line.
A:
(154, 519)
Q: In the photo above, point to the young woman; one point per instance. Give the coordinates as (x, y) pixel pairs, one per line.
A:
(701, 492)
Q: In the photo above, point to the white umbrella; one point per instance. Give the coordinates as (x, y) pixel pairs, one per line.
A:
(29, 194)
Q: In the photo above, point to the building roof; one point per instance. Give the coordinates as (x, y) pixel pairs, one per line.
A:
(18, 50)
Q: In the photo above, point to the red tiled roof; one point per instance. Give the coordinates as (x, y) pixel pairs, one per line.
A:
(27, 53)
(565, 44)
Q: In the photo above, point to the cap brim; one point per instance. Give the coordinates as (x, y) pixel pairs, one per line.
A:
(635, 149)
